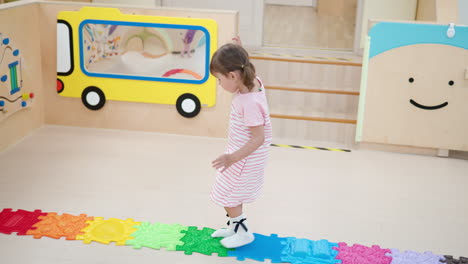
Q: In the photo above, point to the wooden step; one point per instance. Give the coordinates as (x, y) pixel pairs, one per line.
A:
(308, 114)
(297, 130)
(301, 75)
(311, 118)
(311, 97)
(325, 107)
(305, 55)
(305, 60)
(310, 90)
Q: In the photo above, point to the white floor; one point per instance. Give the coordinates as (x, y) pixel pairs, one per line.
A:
(393, 200)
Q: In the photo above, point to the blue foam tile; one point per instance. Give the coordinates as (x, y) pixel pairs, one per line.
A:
(305, 251)
(263, 247)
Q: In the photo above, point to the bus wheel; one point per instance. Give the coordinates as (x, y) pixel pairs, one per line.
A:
(59, 86)
(188, 105)
(93, 98)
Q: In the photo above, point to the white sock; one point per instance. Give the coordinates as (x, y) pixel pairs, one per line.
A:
(237, 219)
(241, 237)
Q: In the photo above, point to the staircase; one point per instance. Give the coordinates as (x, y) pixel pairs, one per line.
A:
(312, 99)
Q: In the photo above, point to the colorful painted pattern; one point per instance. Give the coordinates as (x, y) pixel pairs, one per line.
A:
(13, 96)
(192, 239)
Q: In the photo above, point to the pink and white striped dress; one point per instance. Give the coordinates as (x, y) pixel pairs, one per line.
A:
(242, 182)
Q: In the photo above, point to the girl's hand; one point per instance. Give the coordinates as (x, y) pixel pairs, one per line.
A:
(224, 161)
(237, 40)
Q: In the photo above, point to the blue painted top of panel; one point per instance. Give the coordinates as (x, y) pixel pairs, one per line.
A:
(390, 35)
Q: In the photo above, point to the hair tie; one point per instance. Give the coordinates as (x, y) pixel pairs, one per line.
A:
(242, 66)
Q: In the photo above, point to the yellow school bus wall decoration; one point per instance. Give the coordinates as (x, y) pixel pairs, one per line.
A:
(103, 54)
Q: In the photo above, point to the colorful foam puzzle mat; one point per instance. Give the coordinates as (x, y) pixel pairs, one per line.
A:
(191, 239)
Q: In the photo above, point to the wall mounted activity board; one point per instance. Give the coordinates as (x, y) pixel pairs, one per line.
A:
(103, 54)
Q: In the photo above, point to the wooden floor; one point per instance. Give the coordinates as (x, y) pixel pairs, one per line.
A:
(302, 27)
(407, 202)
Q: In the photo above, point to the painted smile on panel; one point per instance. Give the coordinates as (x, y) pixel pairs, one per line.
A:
(429, 107)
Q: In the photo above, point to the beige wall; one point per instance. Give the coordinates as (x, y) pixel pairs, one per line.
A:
(311, 3)
(463, 12)
(442, 11)
(250, 15)
(150, 3)
(21, 25)
(84, 1)
(447, 11)
(386, 10)
(339, 8)
(426, 10)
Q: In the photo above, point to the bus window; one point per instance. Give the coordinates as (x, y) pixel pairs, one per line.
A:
(107, 55)
(144, 51)
(64, 48)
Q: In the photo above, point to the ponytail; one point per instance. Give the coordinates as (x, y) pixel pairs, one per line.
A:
(231, 58)
(248, 75)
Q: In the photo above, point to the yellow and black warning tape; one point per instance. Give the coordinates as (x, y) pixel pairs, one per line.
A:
(317, 148)
(298, 56)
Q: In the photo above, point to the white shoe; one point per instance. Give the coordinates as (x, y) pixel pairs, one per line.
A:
(242, 235)
(224, 232)
(238, 240)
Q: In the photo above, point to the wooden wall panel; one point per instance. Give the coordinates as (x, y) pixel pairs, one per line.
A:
(429, 74)
(426, 10)
(20, 24)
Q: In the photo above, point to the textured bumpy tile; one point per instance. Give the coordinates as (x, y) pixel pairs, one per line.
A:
(57, 226)
(106, 231)
(157, 235)
(359, 254)
(412, 257)
(201, 241)
(263, 247)
(20, 221)
(305, 251)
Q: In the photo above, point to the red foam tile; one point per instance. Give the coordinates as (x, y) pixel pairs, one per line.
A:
(19, 221)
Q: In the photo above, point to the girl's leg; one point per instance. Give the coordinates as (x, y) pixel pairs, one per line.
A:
(234, 212)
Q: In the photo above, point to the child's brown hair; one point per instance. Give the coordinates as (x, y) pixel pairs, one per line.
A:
(231, 58)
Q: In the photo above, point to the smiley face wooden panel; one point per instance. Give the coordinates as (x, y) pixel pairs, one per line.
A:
(415, 90)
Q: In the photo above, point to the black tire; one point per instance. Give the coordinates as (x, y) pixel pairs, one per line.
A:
(93, 98)
(188, 105)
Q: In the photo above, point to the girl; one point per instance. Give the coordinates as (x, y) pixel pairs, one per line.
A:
(240, 169)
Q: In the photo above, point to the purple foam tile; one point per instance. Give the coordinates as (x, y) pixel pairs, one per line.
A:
(412, 257)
